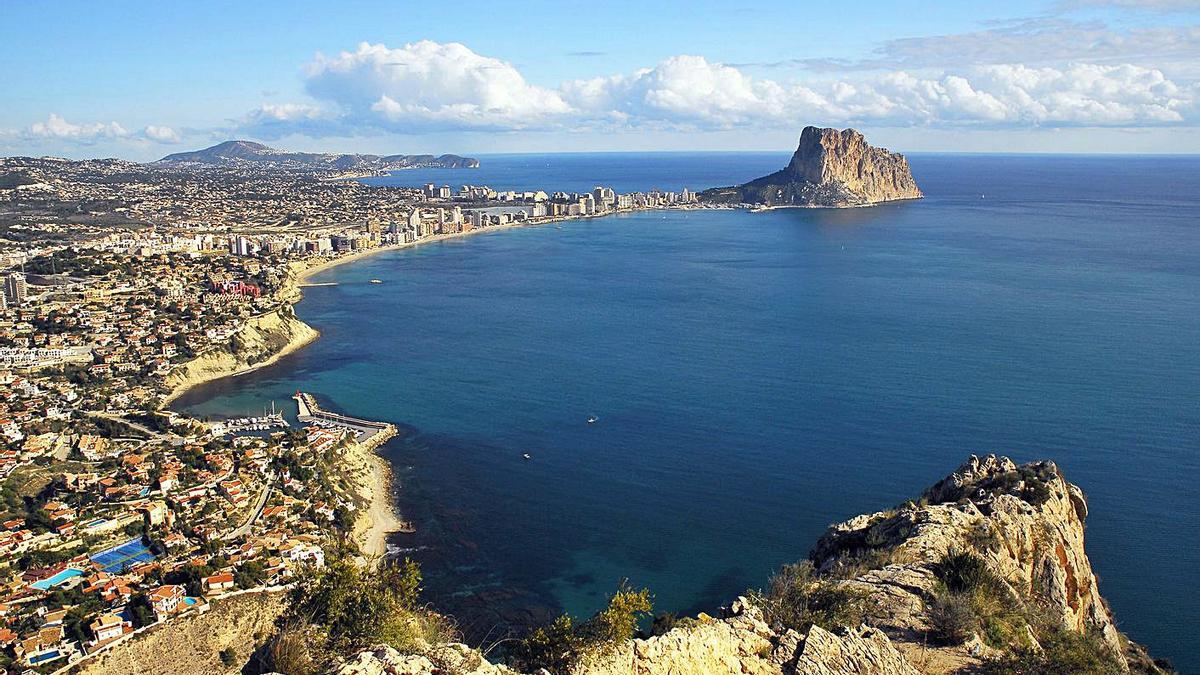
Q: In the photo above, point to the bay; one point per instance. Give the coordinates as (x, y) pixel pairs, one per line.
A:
(760, 376)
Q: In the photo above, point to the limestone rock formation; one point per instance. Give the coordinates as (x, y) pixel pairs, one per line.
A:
(448, 658)
(1024, 524)
(830, 168)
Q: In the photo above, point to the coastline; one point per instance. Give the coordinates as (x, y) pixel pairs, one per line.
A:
(379, 517)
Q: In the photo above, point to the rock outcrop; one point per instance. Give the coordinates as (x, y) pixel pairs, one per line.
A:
(830, 168)
(261, 341)
(1024, 524)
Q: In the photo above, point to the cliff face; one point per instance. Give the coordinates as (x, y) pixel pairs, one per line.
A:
(830, 168)
(262, 340)
(1024, 523)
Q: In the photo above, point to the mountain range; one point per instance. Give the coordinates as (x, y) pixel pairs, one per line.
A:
(241, 153)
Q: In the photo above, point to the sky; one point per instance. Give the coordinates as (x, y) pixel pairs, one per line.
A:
(139, 80)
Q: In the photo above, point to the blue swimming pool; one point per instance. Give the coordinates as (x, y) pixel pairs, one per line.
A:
(44, 657)
(119, 558)
(60, 578)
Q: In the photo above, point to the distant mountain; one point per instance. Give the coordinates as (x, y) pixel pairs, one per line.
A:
(242, 153)
(831, 167)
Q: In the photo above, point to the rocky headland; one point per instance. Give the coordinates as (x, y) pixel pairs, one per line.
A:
(985, 572)
(830, 168)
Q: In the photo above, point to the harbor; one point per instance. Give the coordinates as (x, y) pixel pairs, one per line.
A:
(366, 432)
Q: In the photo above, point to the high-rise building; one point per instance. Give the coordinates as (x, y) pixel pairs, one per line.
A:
(14, 289)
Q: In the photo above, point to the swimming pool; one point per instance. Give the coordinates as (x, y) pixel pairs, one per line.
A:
(58, 579)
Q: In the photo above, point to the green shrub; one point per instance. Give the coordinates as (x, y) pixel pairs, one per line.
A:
(290, 651)
(973, 599)
(360, 606)
(560, 645)
(964, 572)
(796, 599)
(228, 657)
(953, 617)
(1062, 652)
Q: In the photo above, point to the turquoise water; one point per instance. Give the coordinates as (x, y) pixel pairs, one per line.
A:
(759, 376)
(60, 578)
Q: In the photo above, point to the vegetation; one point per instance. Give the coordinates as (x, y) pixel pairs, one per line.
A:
(564, 643)
(345, 606)
(971, 599)
(1062, 651)
(796, 598)
(228, 656)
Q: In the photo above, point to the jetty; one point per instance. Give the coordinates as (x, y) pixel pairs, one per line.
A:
(365, 431)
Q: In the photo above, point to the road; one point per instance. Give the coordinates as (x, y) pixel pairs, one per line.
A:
(244, 528)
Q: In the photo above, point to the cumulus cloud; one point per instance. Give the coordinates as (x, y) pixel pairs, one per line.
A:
(57, 127)
(161, 134)
(430, 86)
(691, 90)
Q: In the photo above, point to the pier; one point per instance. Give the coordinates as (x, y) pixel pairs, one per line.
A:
(309, 412)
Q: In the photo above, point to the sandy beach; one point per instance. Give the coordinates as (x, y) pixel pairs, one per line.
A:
(381, 515)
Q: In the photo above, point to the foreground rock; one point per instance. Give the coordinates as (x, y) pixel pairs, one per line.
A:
(1023, 525)
(830, 168)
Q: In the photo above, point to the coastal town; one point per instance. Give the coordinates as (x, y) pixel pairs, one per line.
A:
(124, 285)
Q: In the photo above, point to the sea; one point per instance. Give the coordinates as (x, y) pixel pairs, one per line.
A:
(756, 377)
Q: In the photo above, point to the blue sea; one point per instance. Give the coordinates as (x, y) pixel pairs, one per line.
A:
(758, 376)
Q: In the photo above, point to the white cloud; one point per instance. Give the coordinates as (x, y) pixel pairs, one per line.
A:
(57, 127)
(690, 90)
(161, 134)
(428, 84)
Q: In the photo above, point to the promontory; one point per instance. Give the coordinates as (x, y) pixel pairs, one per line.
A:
(831, 168)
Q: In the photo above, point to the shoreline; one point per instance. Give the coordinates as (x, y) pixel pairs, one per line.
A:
(380, 518)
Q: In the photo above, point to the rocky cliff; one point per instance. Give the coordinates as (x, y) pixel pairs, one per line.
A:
(1005, 542)
(830, 168)
(261, 341)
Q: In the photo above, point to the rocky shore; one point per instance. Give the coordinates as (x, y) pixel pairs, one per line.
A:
(1020, 528)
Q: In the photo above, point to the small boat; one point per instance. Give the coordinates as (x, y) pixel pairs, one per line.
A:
(593, 419)
(376, 281)
(527, 456)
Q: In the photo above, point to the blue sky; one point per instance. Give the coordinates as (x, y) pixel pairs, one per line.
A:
(140, 79)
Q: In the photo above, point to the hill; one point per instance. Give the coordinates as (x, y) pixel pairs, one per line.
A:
(249, 153)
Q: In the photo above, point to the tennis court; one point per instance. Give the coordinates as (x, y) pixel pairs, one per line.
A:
(119, 558)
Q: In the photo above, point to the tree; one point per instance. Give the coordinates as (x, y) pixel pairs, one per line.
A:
(562, 644)
(141, 612)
